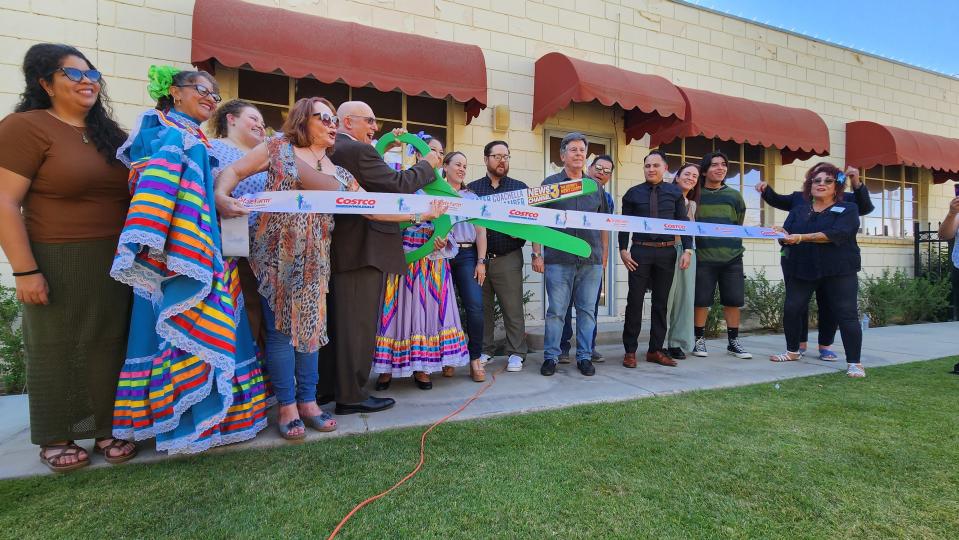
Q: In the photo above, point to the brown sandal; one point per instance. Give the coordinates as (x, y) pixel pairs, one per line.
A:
(115, 444)
(69, 449)
(477, 371)
(449, 371)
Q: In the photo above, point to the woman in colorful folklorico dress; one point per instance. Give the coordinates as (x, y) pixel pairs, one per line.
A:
(420, 329)
(191, 378)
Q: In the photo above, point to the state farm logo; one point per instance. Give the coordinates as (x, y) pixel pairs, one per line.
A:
(255, 203)
(524, 214)
(345, 202)
(674, 227)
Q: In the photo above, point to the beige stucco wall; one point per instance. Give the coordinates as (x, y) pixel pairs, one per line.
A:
(687, 45)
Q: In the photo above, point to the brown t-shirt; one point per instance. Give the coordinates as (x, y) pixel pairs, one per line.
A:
(74, 194)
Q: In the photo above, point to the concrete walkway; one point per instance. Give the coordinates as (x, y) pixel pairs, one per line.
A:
(529, 391)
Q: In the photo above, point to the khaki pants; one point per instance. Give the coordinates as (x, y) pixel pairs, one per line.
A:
(504, 278)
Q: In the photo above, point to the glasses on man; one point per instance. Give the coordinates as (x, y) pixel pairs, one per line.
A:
(826, 181)
(371, 120)
(202, 90)
(499, 157)
(77, 75)
(327, 119)
(603, 170)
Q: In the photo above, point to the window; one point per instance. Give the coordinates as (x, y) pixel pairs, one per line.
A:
(274, 94)
(747, 167)
(894, 191)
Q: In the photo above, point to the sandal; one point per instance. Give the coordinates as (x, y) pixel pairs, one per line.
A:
(855, 371)
(828, 355)
(69, 449)
(321, 422)
(477, 371)
(286, 429)
(115, 444)
(785, 357)
(449, 371)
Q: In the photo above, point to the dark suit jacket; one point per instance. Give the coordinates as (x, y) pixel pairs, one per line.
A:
(357, 241)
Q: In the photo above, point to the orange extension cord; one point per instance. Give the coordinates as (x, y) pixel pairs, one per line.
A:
(422, 455)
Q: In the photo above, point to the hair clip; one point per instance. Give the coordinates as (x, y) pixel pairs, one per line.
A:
(840, 178)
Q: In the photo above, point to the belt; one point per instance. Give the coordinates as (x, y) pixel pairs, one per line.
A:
(466, 245)
(669, 243)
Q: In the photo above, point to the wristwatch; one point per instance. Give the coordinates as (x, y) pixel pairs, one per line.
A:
(484, 260)
(536, 255)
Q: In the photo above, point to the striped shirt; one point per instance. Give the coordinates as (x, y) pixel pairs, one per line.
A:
(726, 207)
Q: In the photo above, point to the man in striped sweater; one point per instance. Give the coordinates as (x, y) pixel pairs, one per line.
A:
(719, 260)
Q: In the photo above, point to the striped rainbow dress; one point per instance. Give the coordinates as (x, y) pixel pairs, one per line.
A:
(420, 327)
(191, 378)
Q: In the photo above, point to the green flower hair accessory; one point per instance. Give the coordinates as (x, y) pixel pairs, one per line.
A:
(161, 78)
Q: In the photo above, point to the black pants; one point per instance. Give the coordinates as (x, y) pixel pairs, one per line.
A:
(655, 267)
(827, 324)
(836, 294)
(345, 363)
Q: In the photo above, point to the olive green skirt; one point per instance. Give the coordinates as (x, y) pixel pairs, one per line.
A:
(75, 345)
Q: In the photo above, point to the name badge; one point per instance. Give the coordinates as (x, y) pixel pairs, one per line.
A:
(837, 209)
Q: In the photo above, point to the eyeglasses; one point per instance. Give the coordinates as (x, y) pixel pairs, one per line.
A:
(499, 157)
(603, 170)
(826, 181)
(328, 119)
(202, 90)
(77, 75)
(371, 120)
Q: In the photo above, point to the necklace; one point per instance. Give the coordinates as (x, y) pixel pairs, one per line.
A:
(83, 135)
(319, 162)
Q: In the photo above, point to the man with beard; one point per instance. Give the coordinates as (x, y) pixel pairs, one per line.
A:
(504, 267)
(362, 251)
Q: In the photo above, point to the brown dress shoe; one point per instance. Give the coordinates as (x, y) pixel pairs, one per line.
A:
(629, 360)
(657, 357)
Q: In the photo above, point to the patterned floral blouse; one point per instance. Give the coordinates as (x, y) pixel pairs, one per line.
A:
(290, 255)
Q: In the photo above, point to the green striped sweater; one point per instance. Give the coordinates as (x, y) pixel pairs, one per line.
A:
(724, 206)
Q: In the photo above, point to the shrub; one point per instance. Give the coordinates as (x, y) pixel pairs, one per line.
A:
(924, 300)
(12, 356)
(764, 300)
(896, 297)
(879, 295)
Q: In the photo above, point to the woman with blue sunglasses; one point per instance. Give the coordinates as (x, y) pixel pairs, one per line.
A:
(63, 200)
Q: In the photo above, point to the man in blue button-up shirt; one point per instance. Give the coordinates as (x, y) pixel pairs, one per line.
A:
(568, 277)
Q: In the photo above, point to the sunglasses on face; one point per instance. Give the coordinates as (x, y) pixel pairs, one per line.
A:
(603, 170)
(77, 75)
(825, 181)
(203, 91)
(371, 120)
(327, 119)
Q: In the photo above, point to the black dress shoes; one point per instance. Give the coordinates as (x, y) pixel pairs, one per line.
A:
(676, 353)
(371, 405)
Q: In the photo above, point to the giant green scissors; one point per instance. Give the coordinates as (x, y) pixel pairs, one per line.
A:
(443, 224)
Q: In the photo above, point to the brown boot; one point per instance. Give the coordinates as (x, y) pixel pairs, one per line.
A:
(657, 357)
(477, 372)
(629, 360)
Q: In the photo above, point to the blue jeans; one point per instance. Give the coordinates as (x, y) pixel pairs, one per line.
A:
(294, 375)
(564, 344)
(577, 284)
(463, 267)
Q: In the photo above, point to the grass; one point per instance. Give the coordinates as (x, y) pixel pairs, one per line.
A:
(819, 457)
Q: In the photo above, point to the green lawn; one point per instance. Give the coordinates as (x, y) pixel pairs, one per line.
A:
(820, 457)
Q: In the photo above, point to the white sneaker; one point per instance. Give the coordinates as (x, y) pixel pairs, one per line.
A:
(514, 364)
(484, 358)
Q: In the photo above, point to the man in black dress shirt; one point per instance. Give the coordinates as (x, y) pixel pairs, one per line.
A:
(651, 260)
(504, 269)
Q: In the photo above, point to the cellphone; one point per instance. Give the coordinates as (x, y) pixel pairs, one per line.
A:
(956, 187)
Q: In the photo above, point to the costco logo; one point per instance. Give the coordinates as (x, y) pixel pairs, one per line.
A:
(674, 227)
(344, 202)
(721, 229)
(524, 214)
(614, 221)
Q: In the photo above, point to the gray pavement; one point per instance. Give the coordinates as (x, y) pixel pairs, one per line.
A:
(516, 393)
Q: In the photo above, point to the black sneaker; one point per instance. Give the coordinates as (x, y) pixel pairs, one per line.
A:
(700, 348)
(549, 368)
(736, 349)
(955, 369)
(586, 368)
(676, 353)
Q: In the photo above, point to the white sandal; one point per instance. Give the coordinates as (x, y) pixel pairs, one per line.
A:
(855, 371)
(786, 357)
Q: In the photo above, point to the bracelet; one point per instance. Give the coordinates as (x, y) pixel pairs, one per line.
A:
(800, 239)
(30, 273)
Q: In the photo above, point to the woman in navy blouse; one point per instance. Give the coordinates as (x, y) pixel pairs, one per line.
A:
(820, 255)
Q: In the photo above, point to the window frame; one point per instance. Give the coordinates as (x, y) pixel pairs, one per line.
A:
(905, 232)
(740, 161)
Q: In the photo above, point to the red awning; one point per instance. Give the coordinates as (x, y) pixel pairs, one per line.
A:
(267, 39)
(869, 144)
(798, 133)
(561, 80)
